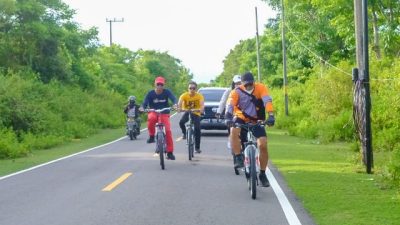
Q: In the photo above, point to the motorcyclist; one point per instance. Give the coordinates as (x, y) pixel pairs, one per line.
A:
(132, 110)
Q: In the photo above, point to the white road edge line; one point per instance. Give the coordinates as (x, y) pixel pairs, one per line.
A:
(287, 208)
(56, 160)
(66, 157)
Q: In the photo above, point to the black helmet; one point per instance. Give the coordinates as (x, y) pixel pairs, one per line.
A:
(132, 99)
(247, 78)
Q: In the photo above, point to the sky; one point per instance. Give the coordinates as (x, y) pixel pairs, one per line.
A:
(198, 32)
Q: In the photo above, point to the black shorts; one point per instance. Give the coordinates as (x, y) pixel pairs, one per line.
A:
(258, 131)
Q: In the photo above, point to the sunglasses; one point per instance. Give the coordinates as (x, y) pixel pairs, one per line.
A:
(192, 88)
(160, 84)
(238, 83)
(248, 84)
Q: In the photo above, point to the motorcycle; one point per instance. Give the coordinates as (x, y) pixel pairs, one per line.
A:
(133, 129)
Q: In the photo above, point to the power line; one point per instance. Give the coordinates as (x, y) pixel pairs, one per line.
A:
(386, 79)
(315, 54)
(335, 67)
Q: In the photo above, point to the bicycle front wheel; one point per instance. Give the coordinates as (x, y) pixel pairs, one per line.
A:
(160, 149)
(253, 172)
(189, 137)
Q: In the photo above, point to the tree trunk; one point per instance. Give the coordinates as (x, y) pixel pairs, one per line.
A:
(376, 48)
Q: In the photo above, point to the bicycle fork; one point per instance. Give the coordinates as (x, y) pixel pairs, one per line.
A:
(247, 159)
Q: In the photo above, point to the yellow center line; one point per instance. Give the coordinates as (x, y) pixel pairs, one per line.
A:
(117, 182)
(179, 139)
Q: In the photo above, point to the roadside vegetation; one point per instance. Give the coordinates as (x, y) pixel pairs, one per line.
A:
(320, 60)
(58, 84)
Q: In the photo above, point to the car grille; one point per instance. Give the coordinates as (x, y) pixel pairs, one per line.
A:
(208, 112)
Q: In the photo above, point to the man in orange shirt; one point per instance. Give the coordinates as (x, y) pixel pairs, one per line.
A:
(248, 103)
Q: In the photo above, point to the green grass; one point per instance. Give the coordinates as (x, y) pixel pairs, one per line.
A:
(37, 157)
(330, 185)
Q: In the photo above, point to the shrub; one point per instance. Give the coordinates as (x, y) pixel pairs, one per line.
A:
(10, 147)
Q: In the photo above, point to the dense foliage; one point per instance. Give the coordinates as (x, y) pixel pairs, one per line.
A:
(320, 58)
(57, 83)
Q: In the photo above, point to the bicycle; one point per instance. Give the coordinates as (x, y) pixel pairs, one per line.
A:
(190, 133)
(161, 144)
(251, 157)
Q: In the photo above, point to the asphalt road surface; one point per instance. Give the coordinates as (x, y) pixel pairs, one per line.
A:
(121, 183)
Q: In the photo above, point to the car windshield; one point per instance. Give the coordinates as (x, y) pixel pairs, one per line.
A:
(212, 95)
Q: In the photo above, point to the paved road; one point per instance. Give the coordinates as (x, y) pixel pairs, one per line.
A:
(204, 191)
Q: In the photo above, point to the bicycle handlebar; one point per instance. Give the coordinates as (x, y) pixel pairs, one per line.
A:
(249, 125)
(158, 110)
(190, 110)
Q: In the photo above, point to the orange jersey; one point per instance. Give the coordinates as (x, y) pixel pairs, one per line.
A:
(243, 106)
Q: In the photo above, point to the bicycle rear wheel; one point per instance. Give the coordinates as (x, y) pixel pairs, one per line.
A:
(234, 162)
(253, 172)
(160, 149)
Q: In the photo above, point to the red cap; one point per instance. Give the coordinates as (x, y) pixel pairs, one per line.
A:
(159, 80)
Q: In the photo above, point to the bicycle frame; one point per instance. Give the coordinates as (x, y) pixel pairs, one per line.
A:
(189, 125)
(160, 136)
(190, 135)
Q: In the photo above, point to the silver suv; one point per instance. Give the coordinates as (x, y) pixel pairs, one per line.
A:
(212, 98)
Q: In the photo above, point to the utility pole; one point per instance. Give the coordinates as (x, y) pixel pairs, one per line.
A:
(367, 88)
(258, 49)
(359, 28)
(112, 21)
(361, 18)
(285, 82)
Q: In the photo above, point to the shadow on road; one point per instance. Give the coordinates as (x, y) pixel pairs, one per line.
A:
(214, 134)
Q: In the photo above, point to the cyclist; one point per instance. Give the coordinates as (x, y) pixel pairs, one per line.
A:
(188, 101)
(133, 109)
(248, 103)
(158, 99)
(236, 82)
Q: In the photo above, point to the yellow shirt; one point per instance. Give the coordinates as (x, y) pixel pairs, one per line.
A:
(191, 102)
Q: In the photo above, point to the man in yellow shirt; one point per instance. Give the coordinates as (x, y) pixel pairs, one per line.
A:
(191, 102)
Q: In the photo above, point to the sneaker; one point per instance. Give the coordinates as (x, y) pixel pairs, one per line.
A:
(239, 161)
(150, 140)
(184, 136)
(264, 180)
(197, 150)
(170, 156)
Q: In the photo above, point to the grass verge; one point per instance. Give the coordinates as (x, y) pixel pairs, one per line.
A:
(330, 185)
(37, 157)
